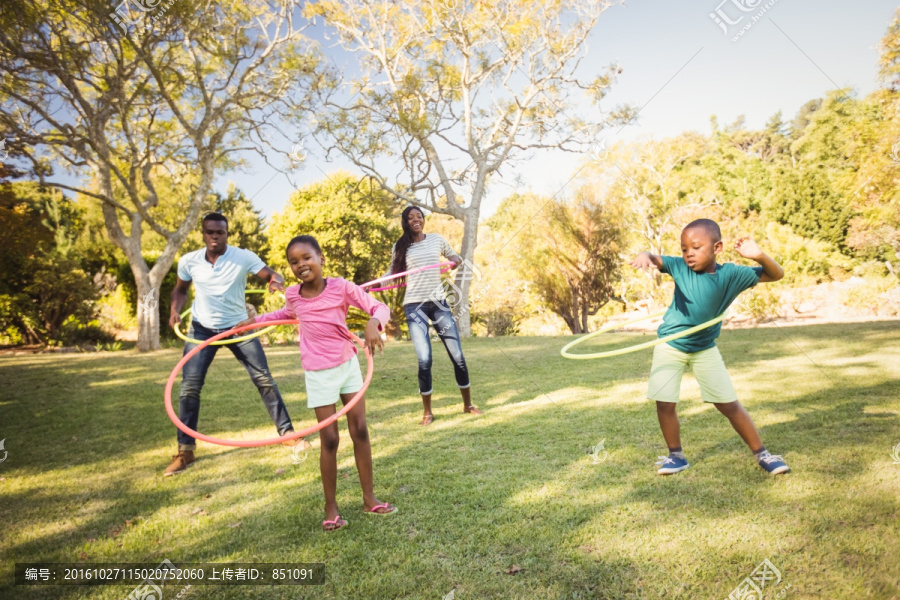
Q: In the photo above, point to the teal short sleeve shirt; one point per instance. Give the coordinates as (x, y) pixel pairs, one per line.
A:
(219, 289)
(700, 297)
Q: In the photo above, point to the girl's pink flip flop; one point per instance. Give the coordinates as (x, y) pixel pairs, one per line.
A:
(374, 509)
(334, 524)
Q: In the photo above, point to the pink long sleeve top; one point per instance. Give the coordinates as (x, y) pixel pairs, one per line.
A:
(324, 339)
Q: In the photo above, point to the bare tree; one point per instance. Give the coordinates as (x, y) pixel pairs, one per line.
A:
(126, 97)
(444, 93)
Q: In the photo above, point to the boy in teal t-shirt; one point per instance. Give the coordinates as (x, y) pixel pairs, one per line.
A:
(703, 291)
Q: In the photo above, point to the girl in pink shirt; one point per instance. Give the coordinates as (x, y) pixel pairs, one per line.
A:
(329, 358)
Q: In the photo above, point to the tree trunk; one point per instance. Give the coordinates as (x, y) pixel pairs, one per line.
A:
(584, 318)
(468, 272)
(575, 325)
(147, 310)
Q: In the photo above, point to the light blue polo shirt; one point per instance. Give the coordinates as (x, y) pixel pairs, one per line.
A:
(219, 289)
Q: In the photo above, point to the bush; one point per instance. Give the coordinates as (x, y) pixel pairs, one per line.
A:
(762, 303)
(75, 333)
(803, 258)
(504, 320)
(878, 295)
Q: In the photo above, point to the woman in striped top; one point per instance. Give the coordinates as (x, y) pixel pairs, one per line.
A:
(426, 303)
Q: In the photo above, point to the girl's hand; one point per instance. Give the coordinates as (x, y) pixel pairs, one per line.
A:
(247, 321)
(373, 336)
(747, 248)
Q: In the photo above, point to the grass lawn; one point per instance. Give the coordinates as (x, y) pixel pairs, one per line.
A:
(508, 505)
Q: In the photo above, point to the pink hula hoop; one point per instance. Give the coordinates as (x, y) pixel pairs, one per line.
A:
(446, 266)
(269, 441)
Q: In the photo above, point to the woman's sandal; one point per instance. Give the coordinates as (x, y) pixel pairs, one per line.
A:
(374, 510)
(472, 410)
(427, 419)
(334, 524)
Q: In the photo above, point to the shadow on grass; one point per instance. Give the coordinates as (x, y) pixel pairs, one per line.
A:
(480, 496)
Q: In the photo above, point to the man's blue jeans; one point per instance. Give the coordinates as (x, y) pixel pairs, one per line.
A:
(250, 354)
(417, 318)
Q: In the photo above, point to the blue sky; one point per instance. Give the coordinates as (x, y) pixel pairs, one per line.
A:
(681, 67)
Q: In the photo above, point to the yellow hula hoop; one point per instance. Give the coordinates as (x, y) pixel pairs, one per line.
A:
(243, 338)
(636, 347)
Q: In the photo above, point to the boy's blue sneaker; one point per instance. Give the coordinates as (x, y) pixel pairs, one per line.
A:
(772, 463)
(671, 464)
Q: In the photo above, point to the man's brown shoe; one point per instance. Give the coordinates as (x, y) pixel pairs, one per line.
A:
(180, 462)
(297, 442)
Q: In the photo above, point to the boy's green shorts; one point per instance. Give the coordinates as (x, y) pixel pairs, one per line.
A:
(669, 364)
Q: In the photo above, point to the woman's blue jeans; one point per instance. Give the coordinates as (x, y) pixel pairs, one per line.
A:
(250, 354)
(418, 317)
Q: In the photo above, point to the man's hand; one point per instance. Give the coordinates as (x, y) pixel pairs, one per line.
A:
(174, 319)
(644, 260)
(373, 336)
(247, 321)
(747, 248)
(276, 283)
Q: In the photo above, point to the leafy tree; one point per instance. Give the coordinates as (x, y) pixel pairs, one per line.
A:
(354, 221)
(806, 199)
(42, 277)
(802, 118)
(831, 134)
(889, 59)
(59, 289)
(24, 232)
(876, 182)
(246, 226)
(572, 261)
(125, 102)
(736, 169)
(452, 91)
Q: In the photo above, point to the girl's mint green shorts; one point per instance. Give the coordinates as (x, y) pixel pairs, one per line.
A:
(669, 364)
(325, 387)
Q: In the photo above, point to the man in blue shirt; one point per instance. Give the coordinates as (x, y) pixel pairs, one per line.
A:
(219, 273)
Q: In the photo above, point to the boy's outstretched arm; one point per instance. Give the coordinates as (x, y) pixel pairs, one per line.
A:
(645, 260)
(747, 248)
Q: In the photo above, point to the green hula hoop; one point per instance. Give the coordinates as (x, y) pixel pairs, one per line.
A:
(243, 338)
(566, 354)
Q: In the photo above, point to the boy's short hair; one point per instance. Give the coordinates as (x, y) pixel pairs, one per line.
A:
(214, 216)
(710, 227)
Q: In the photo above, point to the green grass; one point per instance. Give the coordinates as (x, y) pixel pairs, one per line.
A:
(88, 439)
